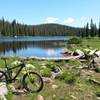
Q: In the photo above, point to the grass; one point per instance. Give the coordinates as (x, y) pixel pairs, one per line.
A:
(88, 43)
(82, 89)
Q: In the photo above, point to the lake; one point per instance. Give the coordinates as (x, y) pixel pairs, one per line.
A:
(34, 46)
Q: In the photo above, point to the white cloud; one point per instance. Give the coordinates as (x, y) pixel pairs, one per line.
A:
(83, 21)
(51, 20)
(69, 21)
(83, 18)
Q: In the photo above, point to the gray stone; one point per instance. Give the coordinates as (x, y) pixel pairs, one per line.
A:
(54, 86)
(97, 53)
(97, 61)
(40, 97)
(3, 90)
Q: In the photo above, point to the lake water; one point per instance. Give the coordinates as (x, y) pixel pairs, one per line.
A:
(35, 46)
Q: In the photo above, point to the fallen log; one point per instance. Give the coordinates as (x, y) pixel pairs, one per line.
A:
(94, 81)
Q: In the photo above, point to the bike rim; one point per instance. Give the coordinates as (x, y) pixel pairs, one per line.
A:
(33, 82)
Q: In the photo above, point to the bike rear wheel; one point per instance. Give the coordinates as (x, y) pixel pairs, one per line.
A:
(32, 82)
(3, 77)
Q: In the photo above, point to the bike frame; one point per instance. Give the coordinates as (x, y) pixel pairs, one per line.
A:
(10, 78)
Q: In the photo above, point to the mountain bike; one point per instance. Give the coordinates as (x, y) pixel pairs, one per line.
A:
(31, 81)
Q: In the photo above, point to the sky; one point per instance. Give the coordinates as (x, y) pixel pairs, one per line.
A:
(68, 12)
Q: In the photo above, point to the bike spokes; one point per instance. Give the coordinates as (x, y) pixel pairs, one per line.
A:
(33, 82)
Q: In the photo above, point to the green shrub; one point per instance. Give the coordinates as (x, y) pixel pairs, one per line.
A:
(68, 77)
(9, 96)
(73, 62)
(46, 72)
(74, 40)
(98, 94)
(97, 70)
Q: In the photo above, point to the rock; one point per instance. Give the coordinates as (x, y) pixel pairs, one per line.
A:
(54, 75)
(75, 98)
(3, 90)
(54, 86)
(95, 81)
(47, 80)
(92, 52)
(40, 97)
(87, 50)
(98, 98)
(30, 66)
(12, 88)
(54, 96)
(16, 91)
(66, 52)
(78, 53)
(16, 62)
(97, 53)
(97, 61)
(43, 66)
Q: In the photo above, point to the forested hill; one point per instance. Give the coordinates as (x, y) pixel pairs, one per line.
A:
(55, 30)
(16, 29)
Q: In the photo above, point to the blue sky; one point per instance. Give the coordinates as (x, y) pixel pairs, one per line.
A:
(69, 12)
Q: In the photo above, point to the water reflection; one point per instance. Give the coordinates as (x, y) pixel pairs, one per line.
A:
(51, 52)
(31, 48)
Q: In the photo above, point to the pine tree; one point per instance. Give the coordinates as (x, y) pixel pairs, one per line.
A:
(83, 32)
(3, 25)
(95, 30)
(87, 30)
(13, 27)
(92, 33)
(99, 30)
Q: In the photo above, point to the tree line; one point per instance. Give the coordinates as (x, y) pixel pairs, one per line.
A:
(15, 29)
(12, 29)
(90, 30)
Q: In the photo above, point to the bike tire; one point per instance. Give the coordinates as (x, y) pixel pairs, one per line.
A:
(3, 77)
(31, 87)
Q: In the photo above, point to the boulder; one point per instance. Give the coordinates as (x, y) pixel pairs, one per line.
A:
(40, 97)
(47, 80)
(54, 75)
(66, 52)
(87, 50)
(54, 86)
(29, 67)
(92, 52)
(78, 53)
(16, 91)
(54, 96)
(97, 61)
(12, 88)
(43, 67)
(16, 62)
(73, 97)
(3, 90)
(97, 53)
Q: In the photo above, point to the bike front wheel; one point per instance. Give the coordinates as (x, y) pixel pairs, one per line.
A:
(32, 82)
